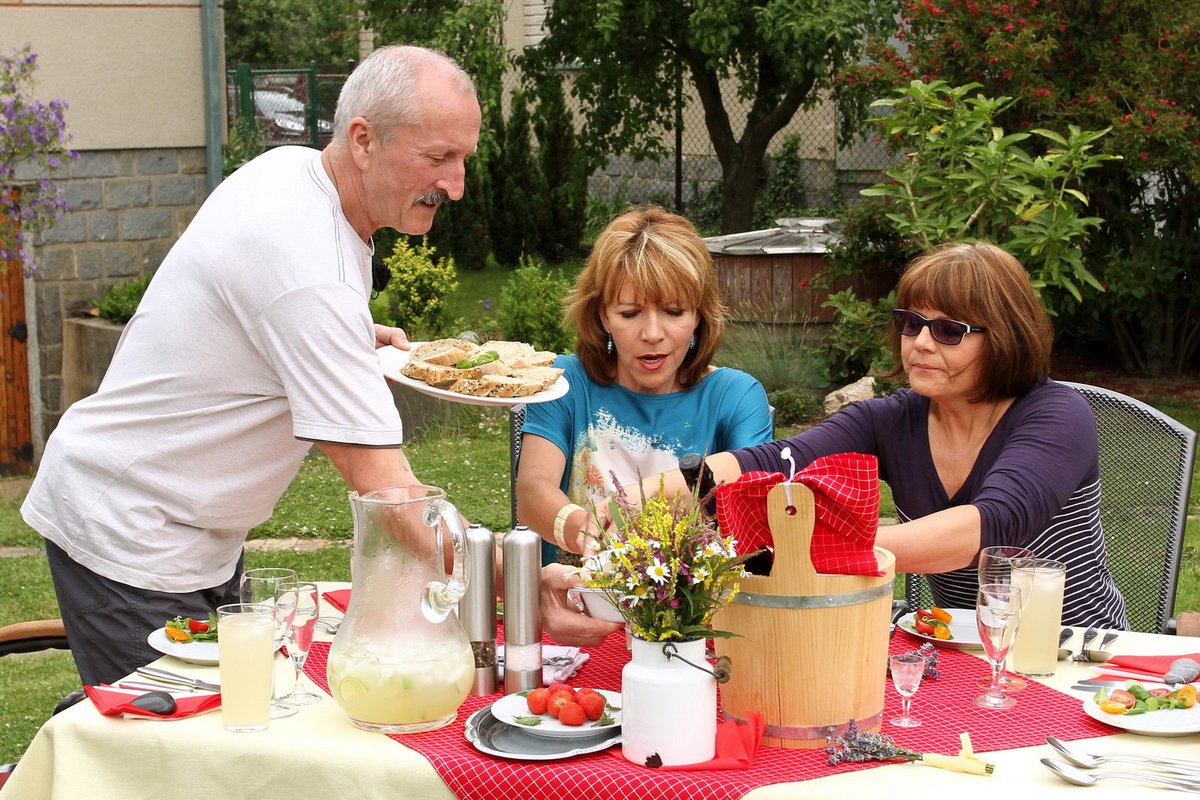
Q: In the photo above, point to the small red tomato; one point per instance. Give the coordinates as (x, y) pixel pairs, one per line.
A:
(1160, 692)
(923, 627)
(196, 626)
(1123, 697)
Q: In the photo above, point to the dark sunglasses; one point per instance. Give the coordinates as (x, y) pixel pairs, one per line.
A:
(945, 331)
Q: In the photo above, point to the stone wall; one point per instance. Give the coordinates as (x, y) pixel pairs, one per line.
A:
(127, 208)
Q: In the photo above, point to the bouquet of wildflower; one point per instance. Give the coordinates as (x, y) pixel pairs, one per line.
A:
(856, 746)
(33, 139)
(666, 567)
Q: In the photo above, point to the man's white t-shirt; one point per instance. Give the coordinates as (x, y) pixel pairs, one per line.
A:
(253, 340)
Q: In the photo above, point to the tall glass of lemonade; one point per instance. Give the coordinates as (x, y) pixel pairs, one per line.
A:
(1042, 582)
(246, 649)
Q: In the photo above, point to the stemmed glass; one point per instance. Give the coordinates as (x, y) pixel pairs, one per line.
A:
(996, 566)
(907, 671)
(998, 615)
(259, 586)
(298, 603)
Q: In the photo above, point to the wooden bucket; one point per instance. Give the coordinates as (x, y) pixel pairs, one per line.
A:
(811, 650)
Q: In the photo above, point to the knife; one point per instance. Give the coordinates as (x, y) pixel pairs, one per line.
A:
(163, 676)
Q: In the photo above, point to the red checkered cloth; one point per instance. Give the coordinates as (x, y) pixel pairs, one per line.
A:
(845, 490)
(945, 708)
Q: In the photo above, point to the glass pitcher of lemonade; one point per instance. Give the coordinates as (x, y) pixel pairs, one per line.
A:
(400, 661)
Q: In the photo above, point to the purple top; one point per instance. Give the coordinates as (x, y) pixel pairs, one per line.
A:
(1036, 484)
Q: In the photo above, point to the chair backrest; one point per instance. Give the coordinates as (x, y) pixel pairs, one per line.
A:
(1146, 463)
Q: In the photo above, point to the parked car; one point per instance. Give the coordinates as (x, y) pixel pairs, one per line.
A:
(281, 117)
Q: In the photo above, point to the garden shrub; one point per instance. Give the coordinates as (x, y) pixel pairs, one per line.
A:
(419, 287)
(856, 344)
(531, 308)
(118, 302)
(795, 405)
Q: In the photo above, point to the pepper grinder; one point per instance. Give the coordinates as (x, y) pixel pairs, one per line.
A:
(477, 609)
(522, 549)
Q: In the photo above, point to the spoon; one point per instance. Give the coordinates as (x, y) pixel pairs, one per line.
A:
(1178, 766)
(157, 702)
(1072, 775)
(1063, 652)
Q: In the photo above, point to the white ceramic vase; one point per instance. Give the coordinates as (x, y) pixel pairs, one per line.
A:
(668, 708)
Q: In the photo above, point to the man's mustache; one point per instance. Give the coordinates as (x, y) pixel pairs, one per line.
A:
(434, 197)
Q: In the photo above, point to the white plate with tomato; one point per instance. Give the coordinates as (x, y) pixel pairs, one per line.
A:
(963, 633)
(203, 653)
(513, 709)
(1162, 722)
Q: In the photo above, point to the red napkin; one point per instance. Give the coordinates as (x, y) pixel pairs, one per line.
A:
(1151, 665)
(339, 598)
(113, 702)
(846, 500)
(737, 744)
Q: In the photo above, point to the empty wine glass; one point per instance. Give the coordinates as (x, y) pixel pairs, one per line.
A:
(907, 671)
(998, 614)
(996, 566)
(298, 603)
(259, 586)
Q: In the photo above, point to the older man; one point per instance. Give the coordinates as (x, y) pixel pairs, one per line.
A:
(253, 342)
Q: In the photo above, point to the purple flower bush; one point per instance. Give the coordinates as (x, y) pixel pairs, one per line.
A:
(33, 135)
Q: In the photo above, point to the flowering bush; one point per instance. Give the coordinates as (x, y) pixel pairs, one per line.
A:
(33, 134)
(667, 566)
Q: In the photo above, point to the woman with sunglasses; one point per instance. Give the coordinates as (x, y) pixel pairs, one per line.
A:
(983, 448)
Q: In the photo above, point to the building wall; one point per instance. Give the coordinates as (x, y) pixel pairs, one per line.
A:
(130, 72)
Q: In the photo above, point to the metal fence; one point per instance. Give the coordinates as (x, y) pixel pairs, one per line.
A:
(295, 105)
(291, 105)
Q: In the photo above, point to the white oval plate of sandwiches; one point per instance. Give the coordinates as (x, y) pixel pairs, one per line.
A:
(491, 374)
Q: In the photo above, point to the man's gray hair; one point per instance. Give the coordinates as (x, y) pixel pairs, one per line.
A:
(384, 89)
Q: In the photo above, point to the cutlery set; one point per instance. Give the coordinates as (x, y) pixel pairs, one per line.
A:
(1171, 773)
(1097, 656)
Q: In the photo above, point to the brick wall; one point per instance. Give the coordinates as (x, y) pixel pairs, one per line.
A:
(127, 207)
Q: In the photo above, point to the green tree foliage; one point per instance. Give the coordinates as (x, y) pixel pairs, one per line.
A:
(290, 32)
(1131, 65)
(565, 200)
(773, 57)
(964, 177)
(518, 212)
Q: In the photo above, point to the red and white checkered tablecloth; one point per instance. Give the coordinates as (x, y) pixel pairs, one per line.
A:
(944, 707)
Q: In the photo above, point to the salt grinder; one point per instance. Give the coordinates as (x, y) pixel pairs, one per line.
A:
(477, 609)
(522, 550)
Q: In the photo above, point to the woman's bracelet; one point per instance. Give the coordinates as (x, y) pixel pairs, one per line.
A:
(560, 524)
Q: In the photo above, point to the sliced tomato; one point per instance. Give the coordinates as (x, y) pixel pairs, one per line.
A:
(1123, 697)
(923, 627)
(924, 613)
(1160, 692)
(197, 626)
(940, 614)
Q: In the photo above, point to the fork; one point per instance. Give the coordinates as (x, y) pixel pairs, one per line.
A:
(1088, 635)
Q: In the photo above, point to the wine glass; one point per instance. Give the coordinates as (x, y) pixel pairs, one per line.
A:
(298, 603)
(259, 586)
(996, 566)
(907, 671)
(998, 614)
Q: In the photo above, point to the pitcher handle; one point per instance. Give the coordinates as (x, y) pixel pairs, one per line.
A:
(439, 599)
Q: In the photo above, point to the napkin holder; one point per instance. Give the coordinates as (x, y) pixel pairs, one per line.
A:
(810, 651)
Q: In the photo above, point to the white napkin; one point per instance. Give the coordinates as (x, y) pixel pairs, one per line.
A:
(558, 663)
